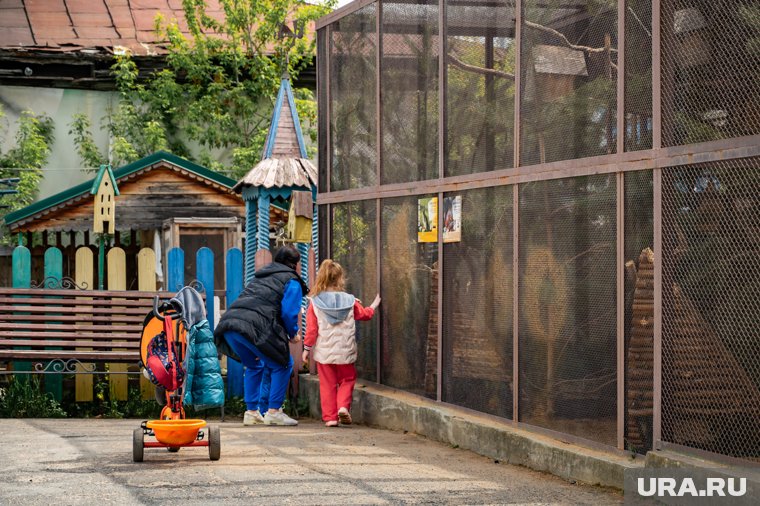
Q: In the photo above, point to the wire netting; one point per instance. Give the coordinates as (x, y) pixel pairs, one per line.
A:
(480, 51)
(323, 220)
(569, 74)
(409, 84)
(638, 324)
(322, 122)
(409, 278)
(567, 326)
(353, 110)
(477, 301)
(710, 304)
(638, 74)
(354, 246)
(710, 70)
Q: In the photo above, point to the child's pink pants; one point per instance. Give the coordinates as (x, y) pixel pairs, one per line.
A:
(336, 387)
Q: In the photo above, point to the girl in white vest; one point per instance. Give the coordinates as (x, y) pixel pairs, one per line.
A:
(331, 337)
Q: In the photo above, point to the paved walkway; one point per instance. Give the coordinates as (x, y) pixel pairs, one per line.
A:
(90, 462)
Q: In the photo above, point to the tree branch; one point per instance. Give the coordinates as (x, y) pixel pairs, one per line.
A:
(564, 39)
(478, 70)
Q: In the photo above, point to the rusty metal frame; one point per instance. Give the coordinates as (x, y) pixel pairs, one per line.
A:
(442, 87)
(515, 302)
(712, 151)
(656, 77)
(328, 95)
(439, 309)
(657, 404)
(378, 275)
(620, 309)
(620, 227)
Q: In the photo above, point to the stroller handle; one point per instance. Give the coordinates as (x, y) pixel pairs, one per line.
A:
(172, 304)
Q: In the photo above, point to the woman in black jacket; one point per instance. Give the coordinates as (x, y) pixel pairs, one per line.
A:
(256, 329)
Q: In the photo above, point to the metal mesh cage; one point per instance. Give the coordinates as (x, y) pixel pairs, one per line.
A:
(710, 70)
(569, 73)
(354, 246)
(711, 281)
(480, 83)
(477, 302)
(638, 74)
(638, 320)
(410, 293)
(567, 326)
(324, 239)
(322, 121)
(353, 111)
(409, 84)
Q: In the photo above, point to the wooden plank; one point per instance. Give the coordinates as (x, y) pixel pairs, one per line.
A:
(117, 280)
(146, 282)
(47, 301)
(134, 319)
(62, 335)
(54, 269)
(22, 278)
(69, 343)
(175, 269)
(137, 311)
(68, 327)
(91, 356)
(96, 294)
(234, 261)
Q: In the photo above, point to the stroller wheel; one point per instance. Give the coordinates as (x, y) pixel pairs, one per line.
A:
(173, 449)
(138, 438)
(214, 442)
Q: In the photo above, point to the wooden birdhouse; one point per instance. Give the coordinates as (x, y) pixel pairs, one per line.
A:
(105, 190)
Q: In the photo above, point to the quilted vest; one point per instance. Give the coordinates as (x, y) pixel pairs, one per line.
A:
(336, 343)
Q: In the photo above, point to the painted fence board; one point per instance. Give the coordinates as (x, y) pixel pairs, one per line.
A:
(84, 269)
(22, 278)
(175, 269)
(146, 282)
(117, 280)
(53, 269)
(234, 269)
(204, 264)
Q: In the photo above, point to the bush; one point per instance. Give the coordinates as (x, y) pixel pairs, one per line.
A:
(23, 398)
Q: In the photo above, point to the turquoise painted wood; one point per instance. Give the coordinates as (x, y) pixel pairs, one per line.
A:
(234, 265)
(303, 249)
(263, 224)
(22, 278)
(175, 269)
(204, 264)
(54, 269)
(250, 239)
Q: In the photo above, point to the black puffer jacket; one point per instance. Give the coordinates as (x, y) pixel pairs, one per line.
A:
(257, 314)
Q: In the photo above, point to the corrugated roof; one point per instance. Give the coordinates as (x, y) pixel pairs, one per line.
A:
(126, 170)
(75, 25)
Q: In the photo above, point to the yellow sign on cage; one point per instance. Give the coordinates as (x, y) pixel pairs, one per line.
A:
(427, 220)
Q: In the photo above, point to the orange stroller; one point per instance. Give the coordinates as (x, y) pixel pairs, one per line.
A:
(163, 354)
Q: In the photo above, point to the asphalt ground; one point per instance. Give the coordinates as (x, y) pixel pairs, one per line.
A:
(89, 461)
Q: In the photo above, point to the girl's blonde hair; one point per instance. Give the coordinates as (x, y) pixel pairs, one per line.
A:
(330, 277)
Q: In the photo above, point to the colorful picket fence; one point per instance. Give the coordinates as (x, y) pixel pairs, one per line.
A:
(84, 275)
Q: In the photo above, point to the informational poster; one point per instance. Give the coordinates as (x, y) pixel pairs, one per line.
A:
(452, 219)
(427, 220)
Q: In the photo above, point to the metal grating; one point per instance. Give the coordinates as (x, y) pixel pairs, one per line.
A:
(409, 84)
(711, 281)
(567, 326)
(409, 279)
(322, 105)
(638, 75)
(353, 111)
(480, 86)
(639, 310)
(477, 304)
(710, 70)
(569, 74)
(324, 239)
(354, 246)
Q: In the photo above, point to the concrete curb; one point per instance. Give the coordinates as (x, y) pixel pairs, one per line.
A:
(395, 410)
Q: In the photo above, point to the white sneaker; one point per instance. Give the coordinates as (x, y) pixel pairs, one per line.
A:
(278, 418)
(253, 418)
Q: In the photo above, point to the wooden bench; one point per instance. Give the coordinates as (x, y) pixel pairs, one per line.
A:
(71, 327)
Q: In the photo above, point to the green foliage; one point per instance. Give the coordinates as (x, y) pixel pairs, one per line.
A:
(85, 144)
(23, 398)
(217, 89)
(28, 153)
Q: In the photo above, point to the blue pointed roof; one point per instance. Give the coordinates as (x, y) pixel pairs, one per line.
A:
(284, 162)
